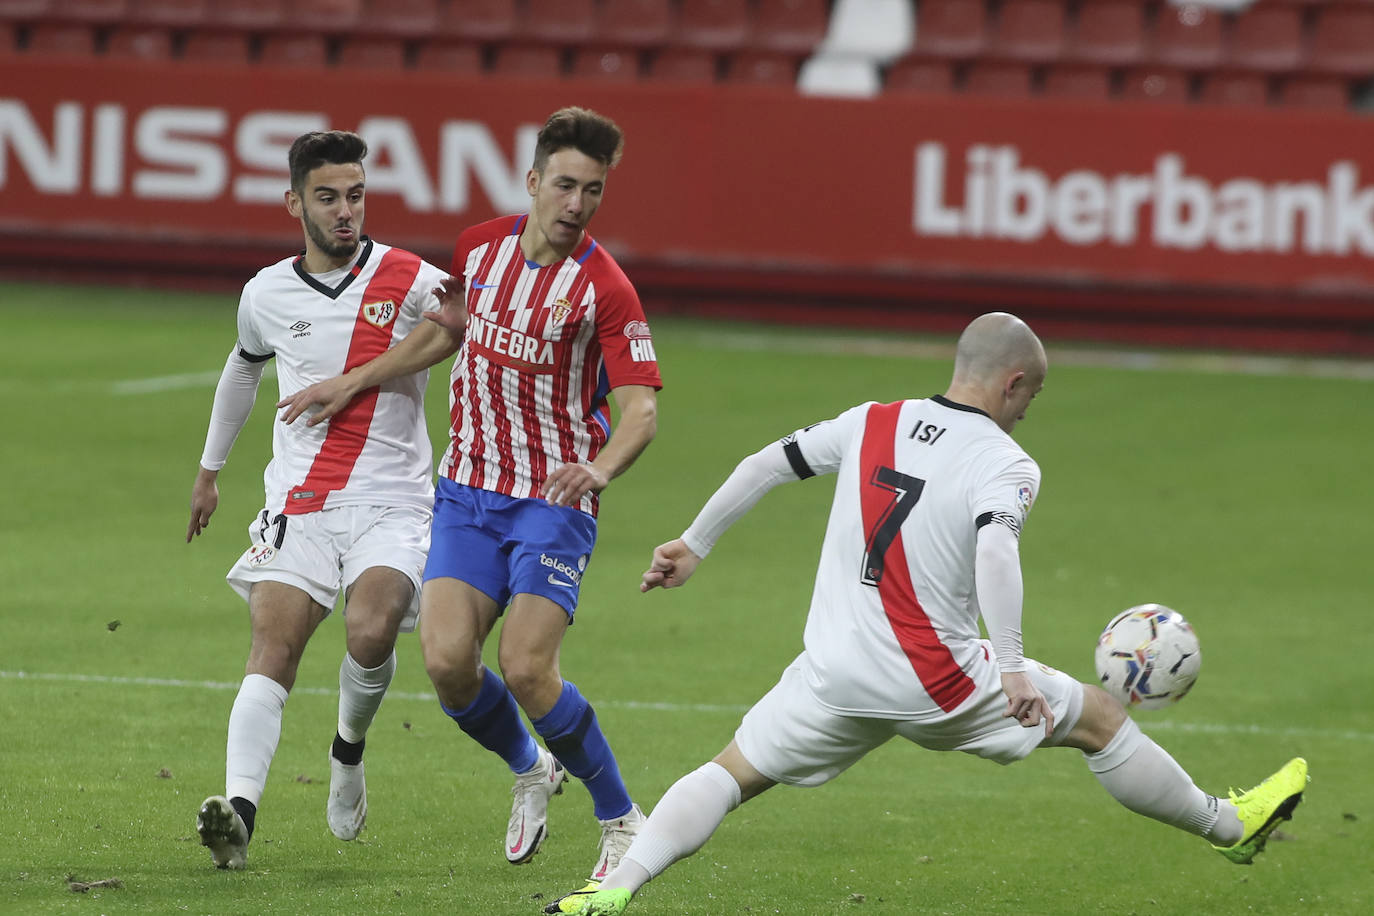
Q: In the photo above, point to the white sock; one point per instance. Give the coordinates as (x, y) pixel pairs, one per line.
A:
(254, 730)
(680, 824)
(1142, 776)
(360, 695)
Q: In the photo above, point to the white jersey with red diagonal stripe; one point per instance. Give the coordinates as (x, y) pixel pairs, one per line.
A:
(376, 450)
(543, 348)
(893, 626)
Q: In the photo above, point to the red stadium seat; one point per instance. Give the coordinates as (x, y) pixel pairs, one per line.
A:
(613, 65)
(363, 53)
(718, 25)
(1236, 89)
(61, 40)
(217, 46)
(24, 10)
(1188, 37)
(1343, 41)
(530, 61)
(1155, 84)
(248, 14)
(683, 65)
(920, 75)
(950, 28)
(1108, 32)
(792, 26)
(96, 12)
(1077, 81)
(558, 22)
(139, 43)
(1320, 92)
(1029, 30)
(328, 16)
(998, 78)
(478, 20)
(403, 18)
(634, 23)
(294, 49)
(448, 56)
(762, 68)
(172, 13)
(1267, 37)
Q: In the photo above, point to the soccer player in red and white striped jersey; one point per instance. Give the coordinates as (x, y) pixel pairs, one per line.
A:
(551, 332)
(348, 505)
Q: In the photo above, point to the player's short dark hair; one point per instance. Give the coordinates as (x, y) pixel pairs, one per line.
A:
(591, 134)
(321, 147)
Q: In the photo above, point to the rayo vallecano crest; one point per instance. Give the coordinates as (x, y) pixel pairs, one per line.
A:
(380, 313)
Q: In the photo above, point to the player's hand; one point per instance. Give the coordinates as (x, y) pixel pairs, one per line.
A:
(673, 564)
(570, 482)
(453, 311)
(204, 500)
(1025, 703)
(330, 396)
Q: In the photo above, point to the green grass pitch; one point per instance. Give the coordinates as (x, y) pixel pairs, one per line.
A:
(1241, 499)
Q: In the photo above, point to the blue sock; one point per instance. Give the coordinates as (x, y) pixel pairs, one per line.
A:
(571, 732)
(493, 721)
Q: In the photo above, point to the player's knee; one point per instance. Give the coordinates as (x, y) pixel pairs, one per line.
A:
(371, 638)
(1101, 719)
(531, 681)
(276, 659)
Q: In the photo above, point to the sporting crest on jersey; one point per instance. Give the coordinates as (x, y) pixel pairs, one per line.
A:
(1024, 498)
(381, 313)
(558, 317)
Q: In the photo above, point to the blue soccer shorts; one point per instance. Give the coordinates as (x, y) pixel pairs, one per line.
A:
(504, 546)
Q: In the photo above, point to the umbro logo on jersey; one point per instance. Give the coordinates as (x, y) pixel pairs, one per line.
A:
(300, 328)
(380, 314)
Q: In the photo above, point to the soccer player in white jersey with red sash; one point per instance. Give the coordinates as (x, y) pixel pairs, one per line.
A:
(552, 330)
(930, 498)
(348, 504)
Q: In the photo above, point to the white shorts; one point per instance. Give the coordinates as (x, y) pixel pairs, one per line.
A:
(322, 553)
(790, 737)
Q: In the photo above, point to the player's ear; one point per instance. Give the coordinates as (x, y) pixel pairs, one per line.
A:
(532, 181)
(1014, 381)
(293, 203)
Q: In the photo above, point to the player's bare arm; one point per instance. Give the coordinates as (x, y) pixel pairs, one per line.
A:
(430, 343)
(204, 501)
(638, 408)
(672, 565)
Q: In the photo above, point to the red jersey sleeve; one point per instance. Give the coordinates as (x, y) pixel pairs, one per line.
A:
(627, 346)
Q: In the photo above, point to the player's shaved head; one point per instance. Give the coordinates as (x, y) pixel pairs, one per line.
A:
(999, 366)
(995, 344)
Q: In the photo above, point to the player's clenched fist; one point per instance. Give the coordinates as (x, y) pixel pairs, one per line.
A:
(673, 564)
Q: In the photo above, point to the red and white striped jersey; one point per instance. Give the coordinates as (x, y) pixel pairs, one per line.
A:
(543, 348)
(376, 450)
(893, 626)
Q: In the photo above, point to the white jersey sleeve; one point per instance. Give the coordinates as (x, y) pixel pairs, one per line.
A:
(817, 449)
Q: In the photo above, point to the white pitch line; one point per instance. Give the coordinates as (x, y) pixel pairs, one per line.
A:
(160, 383)
(1207, 728)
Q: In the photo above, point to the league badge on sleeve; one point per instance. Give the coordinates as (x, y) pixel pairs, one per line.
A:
(1024, 498)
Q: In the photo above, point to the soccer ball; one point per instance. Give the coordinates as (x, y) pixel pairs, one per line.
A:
(1148, 656)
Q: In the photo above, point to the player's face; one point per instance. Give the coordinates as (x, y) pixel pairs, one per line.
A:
(565, 195)
(330, 208)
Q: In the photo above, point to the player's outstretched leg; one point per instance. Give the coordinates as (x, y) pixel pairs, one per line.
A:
(529, 812)
(1261, 808)
(223, 831)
